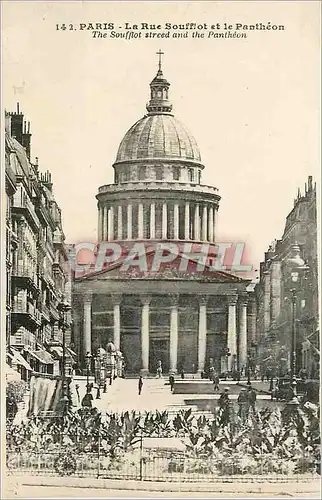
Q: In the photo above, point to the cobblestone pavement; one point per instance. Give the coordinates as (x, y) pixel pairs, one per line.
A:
(123, 395)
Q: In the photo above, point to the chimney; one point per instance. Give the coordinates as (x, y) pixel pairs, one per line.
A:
(46, 180)
(8, 122)
(309, 183)
(17, 125)
(26, 138)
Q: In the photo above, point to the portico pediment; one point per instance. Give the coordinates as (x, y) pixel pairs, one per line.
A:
(155, 266)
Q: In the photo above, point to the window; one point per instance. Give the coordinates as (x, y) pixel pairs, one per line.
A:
(159, 173)
(190, 174)
(176, 173)
(117, 178)
(199, 177)
(142, 173)
(126, 174)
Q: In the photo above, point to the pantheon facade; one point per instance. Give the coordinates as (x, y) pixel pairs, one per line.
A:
(176, 314)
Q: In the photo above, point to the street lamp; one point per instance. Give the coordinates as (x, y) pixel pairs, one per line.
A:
(296, 267)
(63, 308)
(88, 364)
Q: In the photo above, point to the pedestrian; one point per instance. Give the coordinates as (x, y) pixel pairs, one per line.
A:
(11, 407)
(211, 373)
(88, 398)
(216, 381)
(223, 403)
(140, 384)
(242, 404)
(77, 393)
(182, 373)
(159, 369)
(251, 396)
(171, 381)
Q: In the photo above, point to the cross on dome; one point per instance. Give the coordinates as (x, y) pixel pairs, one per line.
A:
(160, 54)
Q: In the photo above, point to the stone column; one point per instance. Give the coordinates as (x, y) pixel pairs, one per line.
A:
(145, 332)
(87, 325)
(197, 223)
(104, 225)
(164, 222)
(129, 222)
(275, 291)
(187, 221)
(251, 322)
(232, 334)
(116, 299)
(111, 224)
(174, 332)
(267, 301)
(176, 221)
(204, 223)
(100, 217)
(140, 221)
(202, 333)
(211, 224)
(243, 333)
(215, 224)
(152, 221)
(119, 222)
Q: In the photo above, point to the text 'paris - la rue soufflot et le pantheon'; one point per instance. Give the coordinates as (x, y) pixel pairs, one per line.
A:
(105, 26)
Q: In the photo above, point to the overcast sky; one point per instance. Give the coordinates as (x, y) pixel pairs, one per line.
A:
(252, 104)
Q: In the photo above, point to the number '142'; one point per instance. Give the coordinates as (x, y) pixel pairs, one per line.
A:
(64, 27)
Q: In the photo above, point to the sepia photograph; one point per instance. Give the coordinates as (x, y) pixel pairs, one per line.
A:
(160, 271)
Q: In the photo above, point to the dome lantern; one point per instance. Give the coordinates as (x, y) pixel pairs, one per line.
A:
(159, 86)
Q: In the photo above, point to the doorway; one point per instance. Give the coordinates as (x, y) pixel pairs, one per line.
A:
(159, 351)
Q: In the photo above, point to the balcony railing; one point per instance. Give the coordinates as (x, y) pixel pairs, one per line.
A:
(22, 339)
(26, 204)
(28, 309)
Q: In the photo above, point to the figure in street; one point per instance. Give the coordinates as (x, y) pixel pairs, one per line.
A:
(171, 381)
(11, 406)
(88, 398)
(243, 404)
(251, 396)
(159, 370)
(224, 404)
(216, 381)
(77, 393)
(140, 384)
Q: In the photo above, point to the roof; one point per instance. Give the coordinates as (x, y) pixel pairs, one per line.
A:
(158, 136)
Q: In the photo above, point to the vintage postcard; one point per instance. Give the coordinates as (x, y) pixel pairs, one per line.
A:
(160, 231)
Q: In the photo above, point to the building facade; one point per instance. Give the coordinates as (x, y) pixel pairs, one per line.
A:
(273, 292)
(36, 256)
(176, 313)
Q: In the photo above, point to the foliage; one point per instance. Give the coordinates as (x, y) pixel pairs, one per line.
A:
(17, 388)
(266, 442)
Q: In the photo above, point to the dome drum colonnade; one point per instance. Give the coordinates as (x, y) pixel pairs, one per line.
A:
(158, 195)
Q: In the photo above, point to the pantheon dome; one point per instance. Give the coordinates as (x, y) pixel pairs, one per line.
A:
(158, 136)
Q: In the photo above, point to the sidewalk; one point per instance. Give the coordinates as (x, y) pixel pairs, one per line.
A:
(15, 485)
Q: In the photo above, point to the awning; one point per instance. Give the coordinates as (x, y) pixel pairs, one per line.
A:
(20, 360)
(73, 353)
(57, 350)
(42, 356)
